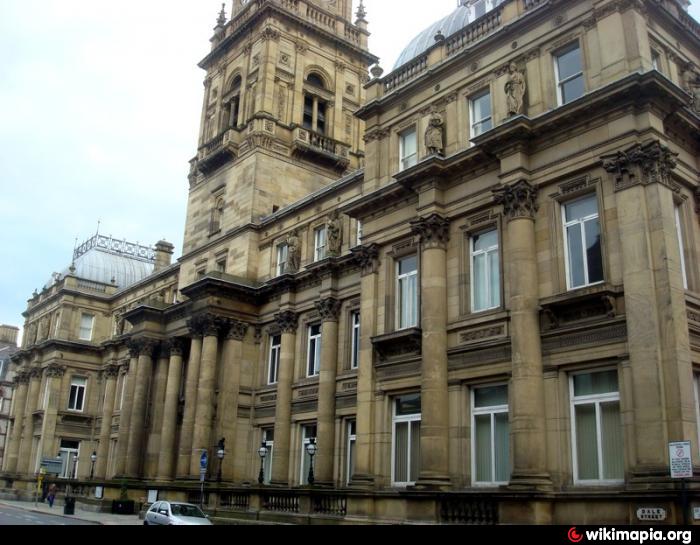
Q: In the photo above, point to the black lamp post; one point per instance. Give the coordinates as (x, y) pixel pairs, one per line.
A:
(93, 459)
(220, 454)
(311, 449)
(262, 452)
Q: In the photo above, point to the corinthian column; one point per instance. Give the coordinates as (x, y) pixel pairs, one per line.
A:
(367, 257)
(166, 458)
(434, 234)
(527, 393)
(329, 309)
(137, 432)
(125, 412)
(288, 323)
(191, 382)
(21, 387)
(25, 449)
(54, 375)
(110, 373)
(205, 392)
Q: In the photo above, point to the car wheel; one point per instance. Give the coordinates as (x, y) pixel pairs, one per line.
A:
(145, 523)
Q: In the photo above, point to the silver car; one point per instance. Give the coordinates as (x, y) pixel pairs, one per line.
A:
(165, 513)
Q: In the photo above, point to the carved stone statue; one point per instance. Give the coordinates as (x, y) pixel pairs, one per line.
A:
(434, 141)
(293, 252)
(335, 234)
(515, 90)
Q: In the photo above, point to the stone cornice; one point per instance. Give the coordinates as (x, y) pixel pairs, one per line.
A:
(434, 231)
(519, 200)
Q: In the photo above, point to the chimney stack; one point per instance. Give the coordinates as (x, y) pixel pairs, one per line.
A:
(164, 255)
(8, 334)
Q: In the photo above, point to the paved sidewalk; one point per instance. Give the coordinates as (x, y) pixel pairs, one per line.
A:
(105, 519)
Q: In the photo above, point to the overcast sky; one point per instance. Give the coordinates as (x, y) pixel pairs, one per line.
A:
(99, 113)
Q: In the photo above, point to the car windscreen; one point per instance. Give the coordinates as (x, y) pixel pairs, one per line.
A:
(180, 510)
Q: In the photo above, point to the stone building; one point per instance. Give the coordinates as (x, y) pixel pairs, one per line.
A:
(8, 346)
(471, 283)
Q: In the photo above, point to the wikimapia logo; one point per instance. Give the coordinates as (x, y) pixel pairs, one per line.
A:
(635, 536)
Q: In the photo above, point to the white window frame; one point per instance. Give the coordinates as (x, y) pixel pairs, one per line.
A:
(560, 83)
(69, 462)
(416, 303)
(582, 222)
(473, 122)
(316, 340)
(78, 387)
(282, 259)
(473, 254)
(92, 327)
(359, 232)
(352, 439)
(320, 243)
(409, 419)
(407, 161)
(355, 323)
(681, 245)
(492, 411)
(596, 399)
(267, 463)
(305, 440)
(655, 60)
(273, 366)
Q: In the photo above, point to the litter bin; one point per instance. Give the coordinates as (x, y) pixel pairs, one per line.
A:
(69, 506)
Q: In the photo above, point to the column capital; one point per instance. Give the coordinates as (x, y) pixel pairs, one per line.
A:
(173, 347)
(329, 309)
(367, 257)
(35, 372)
(644, 163)
(142, 347)
(205, 325)
(519, 200)
(237, 330)
(287, 321)
(111, 371)
(434, 231)
(22, 377)
(55, 371)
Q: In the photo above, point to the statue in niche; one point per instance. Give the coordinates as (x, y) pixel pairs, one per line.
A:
(434, 141)
(293, 252)
(515, 90)
(335, 234)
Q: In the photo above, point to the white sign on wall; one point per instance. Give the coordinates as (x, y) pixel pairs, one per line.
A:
(681, 460)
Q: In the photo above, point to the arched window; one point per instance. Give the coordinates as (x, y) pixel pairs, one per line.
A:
(314, 107)
(232, 106)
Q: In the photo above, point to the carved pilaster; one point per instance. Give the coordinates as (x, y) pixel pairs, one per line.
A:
(647, 163)
(287, 321)
(367, 257)
(434, 231)
(519, 200)
(55, 371)
(329, 309)
(237, 331)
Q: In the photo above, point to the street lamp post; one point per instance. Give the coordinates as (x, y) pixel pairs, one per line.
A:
(311, 449)
(93, 459)
(262, 452)
(220, 454)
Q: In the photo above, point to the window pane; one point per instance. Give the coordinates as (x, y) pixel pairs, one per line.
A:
(485, 241)
(577, 275)
(410, 145)
(408, 265)
(502, 447)
(495, 280)
(613, 454)
(582, 208)
(408, 405)
(586, 443)
(569, 63)
(571, 90)
(401, 452)
(482, 448)
(80, 396)
(72, 398)
(351, 459)
(491, 397)
(480, 282)
(596, 383)
(594, 253)
(415, 451)
(481, 107)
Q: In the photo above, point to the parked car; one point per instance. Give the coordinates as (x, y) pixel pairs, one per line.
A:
(165, 513)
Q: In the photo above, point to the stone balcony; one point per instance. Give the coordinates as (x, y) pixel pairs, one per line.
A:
(318, 147)
(218, 151)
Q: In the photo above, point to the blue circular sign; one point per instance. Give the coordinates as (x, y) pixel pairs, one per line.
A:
(204, 460)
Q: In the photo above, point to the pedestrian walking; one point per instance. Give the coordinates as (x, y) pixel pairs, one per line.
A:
(52, 494)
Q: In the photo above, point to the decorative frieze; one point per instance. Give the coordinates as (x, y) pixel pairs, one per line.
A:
(647, 163)
(434, 231)
(329, 309)
(519, 200)
(367, 258)
(287, 321)
(482, 334)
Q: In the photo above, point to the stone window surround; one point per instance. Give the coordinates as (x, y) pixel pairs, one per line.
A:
(400, 133)
(404, 248)
(471, 97)
(472, 434)
(92, 326)
(78, 386)
(557, 48)
(349, 439)
(391, 398)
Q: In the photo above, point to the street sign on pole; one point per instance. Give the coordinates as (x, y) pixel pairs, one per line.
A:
(681, 460)
(204, 460)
